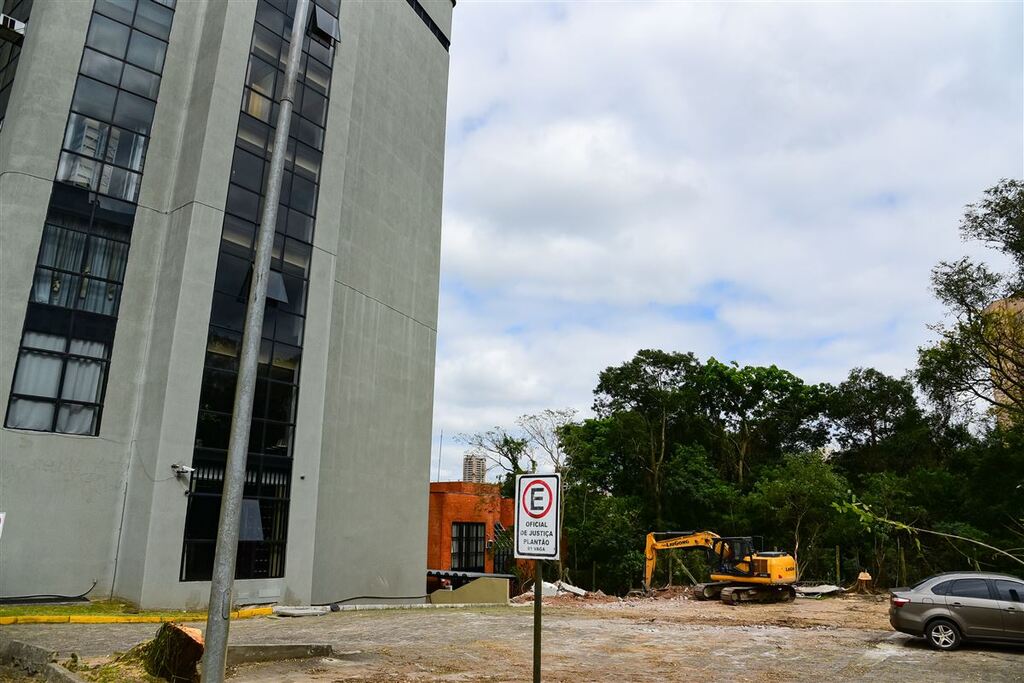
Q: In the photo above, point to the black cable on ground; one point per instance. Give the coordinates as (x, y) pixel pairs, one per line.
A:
(14, 599)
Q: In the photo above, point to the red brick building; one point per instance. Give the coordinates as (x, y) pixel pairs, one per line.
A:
(464, 518)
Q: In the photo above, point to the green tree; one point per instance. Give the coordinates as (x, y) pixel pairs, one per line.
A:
(979, 354)
(797, 496)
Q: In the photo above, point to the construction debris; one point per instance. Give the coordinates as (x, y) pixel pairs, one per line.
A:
(300, 611)
(818, 591)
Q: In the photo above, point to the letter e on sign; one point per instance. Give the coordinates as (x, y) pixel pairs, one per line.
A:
(538, 516)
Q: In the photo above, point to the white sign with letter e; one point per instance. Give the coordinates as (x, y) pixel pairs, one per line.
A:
(538, 516)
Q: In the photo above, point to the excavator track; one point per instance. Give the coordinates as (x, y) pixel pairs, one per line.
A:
(735, 595)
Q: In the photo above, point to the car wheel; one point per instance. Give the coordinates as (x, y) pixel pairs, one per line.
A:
(943, 634)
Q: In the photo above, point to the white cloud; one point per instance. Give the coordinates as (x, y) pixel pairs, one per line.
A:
(765, 183)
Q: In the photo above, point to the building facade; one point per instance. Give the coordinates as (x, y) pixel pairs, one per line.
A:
(474, 468)
(134, 144)
(466, 520)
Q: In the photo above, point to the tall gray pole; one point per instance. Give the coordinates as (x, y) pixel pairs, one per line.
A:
(218, 619)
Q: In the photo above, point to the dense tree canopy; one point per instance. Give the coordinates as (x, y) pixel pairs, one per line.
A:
(680, 443)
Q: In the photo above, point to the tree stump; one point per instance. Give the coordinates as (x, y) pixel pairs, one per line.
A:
(864, 583)
(175, 653)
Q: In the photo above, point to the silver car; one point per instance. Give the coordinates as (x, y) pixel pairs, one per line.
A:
(948, 609)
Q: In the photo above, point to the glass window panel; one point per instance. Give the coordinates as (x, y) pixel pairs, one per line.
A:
(261, 76)
(86, 136)
(146, 51)
(212, 430)
(227, 311)
(263, 366)
(296, 289)
(296, 258)
(83, 380)
(300, 226)
(325, 26)
(276, 290)
(278, 439)
(113, 218)
(134, 113)
(106, 259)
(74, 419)
(238, 236)
(84, 347)
(256, 105)
(125, 148)
(970, 588)
(44, 340)
(203, 517)
(303, 195)
(25, 414)
(154, 18)
(167, 3)
(233, 275)
(243, 203)
(37, 374)
(91, 328)
(286, 363)
(106, 35)
(307, 161)
(218, 393)
(320, 52)
(1010, 591)
(99, 297)
(259, 401)
(253, 135)
(308, 132)
(63, 249)
(281, 402)
(314, 106)
(94, 99)
(101, 67)
(53, 288)
(288, 329)
(79, 171)
(140, 81)
(266, 44)
(270, 17)
(247, 170)
(120, 183)
(122, 10)
(222, 348)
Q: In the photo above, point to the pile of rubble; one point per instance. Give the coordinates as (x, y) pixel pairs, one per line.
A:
(562, 593)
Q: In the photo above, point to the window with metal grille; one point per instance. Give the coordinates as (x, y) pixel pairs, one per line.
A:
(468, 544)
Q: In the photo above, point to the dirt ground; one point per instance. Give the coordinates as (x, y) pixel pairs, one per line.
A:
(846, 639)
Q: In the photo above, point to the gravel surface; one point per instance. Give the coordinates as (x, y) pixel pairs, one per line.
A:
(677, 639)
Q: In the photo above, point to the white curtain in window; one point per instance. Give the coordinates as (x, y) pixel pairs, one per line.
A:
(107, 258)
(99, 297)
(25, 414)
(82, 380)
(74, 419)
(63, 249)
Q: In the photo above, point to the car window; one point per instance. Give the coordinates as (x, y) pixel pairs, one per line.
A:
(922, 582)
(970, 588)
(942, 588)
(1011, 591)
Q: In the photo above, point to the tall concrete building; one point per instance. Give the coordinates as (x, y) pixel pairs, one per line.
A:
(133, 153)
(474, 468)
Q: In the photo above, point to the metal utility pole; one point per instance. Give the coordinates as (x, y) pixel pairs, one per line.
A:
(218, 619)
(538, 600)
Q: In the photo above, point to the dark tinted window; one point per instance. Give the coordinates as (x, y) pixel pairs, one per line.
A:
(140, 81)
(970, 588)
(94, 99)
(1011, 591)
(942, 588)
(146, 51)
(97, 65)
(154, 19)
(108, 36)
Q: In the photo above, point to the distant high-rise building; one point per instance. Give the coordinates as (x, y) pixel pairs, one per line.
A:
(474, 467)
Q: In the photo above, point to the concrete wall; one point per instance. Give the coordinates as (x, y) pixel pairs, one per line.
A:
(375, 460)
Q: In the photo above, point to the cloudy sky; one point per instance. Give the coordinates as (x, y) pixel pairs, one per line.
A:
(758, 183)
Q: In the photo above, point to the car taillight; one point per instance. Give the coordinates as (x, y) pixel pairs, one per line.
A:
(898, 602)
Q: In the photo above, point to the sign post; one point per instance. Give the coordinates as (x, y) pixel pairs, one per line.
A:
(538, 537)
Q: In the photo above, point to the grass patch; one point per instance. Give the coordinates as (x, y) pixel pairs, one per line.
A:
(96, 608)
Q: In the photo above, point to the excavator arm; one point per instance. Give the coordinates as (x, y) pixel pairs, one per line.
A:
(668, 540)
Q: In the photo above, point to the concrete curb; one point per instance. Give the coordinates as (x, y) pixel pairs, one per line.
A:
(463, 605)
(125, 618)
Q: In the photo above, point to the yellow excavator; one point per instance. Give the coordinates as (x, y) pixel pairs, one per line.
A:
(738, 572)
